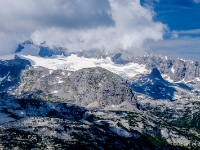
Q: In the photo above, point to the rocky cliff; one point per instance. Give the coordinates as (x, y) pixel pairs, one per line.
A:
(90, 87)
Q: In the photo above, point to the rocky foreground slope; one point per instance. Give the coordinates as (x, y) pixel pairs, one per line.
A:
(89, 108)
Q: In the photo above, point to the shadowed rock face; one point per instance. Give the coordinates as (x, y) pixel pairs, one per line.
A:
(47, 51)
(156, 74)
(10, 71)
(19, 48)
(89, 86)
(153, 85)
(118, 59)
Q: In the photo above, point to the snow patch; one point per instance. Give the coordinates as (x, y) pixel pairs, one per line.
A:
(8, 78)
(172, 70)
(74, 63)
(50, 71)
(1, 79)
(198, 79)
(120, 132)
(60, 81)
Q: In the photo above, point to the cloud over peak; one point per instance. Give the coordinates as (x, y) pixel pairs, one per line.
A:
(79, 24)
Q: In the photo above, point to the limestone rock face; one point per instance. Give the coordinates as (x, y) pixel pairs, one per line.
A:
(177, 69)
(91, 86)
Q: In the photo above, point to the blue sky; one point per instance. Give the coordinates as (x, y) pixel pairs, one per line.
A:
(168, 27)
(178, 14)
(183, 20)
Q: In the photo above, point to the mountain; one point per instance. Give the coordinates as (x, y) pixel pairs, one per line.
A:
(153, 85)
(10, 72)
(41, 50)
(89, 87)
(51, 98)
(175, 69)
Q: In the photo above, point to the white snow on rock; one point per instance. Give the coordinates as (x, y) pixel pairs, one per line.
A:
(172, 70)
(1, 79)
(60, 81)
(166, 77)
(8, 78)
(120, 132)
(198, 79)
(74, 63)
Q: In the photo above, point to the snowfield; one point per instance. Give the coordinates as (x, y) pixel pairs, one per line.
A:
(74, 63)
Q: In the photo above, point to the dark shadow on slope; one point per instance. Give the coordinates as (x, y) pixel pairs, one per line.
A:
(10, 71)
(183, 86)
(37, 108)
(156, 87)
(97, 135)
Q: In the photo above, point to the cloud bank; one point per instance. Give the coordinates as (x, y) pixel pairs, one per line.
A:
(78, 24)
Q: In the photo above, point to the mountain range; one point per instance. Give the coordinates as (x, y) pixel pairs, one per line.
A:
(51, 98)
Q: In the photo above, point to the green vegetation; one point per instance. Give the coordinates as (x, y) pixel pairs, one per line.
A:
(157, 141)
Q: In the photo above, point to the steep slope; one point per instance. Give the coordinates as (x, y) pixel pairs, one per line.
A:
(153, 85)
(46, 107)
(10, 71)
(90, 87)
(176, 69)
(156, 87)
(36, 124)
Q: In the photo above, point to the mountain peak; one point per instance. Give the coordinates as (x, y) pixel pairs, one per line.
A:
(156, 73)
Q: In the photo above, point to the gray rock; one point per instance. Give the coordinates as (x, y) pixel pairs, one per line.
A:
(153, 85)
(176, 69)
(95, 53)
(47, 51)
(92, 86)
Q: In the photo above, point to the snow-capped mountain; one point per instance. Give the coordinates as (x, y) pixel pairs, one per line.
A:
(175, 70)
(61, 99)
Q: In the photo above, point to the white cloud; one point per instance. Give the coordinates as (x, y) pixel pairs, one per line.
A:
(80, 24)
(174, 34)
(197, 1)
(133, 26)
(194, 31)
